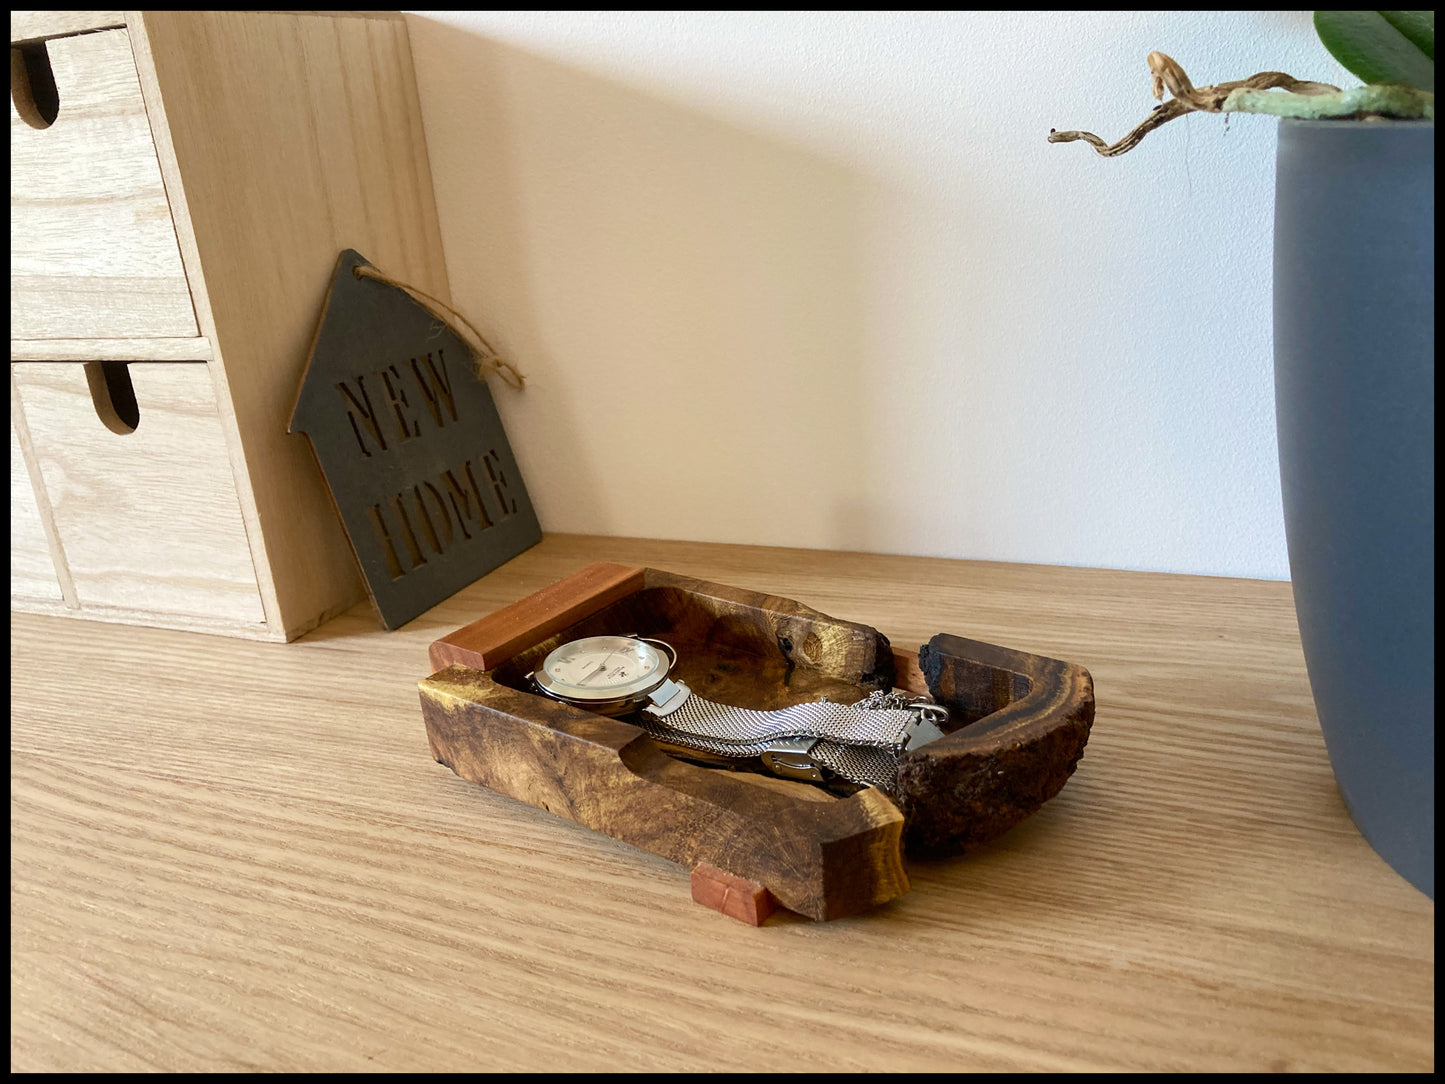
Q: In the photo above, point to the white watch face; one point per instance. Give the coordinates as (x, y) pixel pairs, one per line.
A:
(604, 667)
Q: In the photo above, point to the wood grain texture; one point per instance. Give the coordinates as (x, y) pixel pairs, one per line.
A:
(32, 569)
(1026, 720)
(238, 856)
(740, 647)
(231, 95)
(906, 673)
(93, 253)
(118, 349)
(823, 860)
(148, 520)
(30, 25)
(1019, 722)
(495, 638)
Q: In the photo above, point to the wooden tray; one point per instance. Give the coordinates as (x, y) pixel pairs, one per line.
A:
(1018, 728)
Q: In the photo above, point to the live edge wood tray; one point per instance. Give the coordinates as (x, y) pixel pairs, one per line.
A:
(1018, 727)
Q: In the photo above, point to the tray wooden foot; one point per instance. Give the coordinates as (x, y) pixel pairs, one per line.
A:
(737, 897)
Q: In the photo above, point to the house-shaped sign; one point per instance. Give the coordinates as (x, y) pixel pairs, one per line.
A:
(411, 446)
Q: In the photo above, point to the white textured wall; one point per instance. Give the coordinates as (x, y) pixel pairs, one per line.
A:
(818, 279)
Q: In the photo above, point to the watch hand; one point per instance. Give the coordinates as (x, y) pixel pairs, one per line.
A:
(601, 666)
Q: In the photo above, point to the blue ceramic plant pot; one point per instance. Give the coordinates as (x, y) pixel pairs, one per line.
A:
(1354, 345)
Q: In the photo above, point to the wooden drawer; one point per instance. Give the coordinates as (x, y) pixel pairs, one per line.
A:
(187, 205)
(147, 522)
(93, 250)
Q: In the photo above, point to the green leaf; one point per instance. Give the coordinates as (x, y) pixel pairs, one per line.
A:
(1382, 46)
(1418, 26)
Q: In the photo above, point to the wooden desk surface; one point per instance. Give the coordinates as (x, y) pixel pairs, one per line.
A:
(240, 856)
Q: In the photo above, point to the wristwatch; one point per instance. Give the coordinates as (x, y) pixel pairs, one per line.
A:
(821, 741)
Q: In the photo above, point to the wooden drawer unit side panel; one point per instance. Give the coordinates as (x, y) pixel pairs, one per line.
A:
(93, 251)
(286, 137)
(149, 521)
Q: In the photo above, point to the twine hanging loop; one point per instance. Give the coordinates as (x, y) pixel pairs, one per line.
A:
(484, 359)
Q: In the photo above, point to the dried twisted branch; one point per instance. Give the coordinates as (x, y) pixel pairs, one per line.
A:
(1299, 97)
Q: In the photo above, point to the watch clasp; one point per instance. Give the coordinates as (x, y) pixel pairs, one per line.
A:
(788, 757)
(924, 728)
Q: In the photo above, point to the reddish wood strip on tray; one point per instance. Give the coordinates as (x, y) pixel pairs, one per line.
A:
(906, 674)
(500, 635)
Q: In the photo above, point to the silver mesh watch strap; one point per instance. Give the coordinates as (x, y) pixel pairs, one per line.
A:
(857, 742)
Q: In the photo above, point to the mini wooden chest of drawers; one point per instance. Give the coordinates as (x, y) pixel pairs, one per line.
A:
(181, 184)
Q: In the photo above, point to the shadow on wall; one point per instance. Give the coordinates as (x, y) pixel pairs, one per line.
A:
(684, 296)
